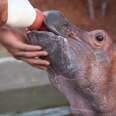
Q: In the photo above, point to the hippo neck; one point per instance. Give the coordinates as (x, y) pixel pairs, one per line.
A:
(97, 98)
(86, 104)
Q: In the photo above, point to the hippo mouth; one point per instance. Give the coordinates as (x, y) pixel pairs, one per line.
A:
(59, 40)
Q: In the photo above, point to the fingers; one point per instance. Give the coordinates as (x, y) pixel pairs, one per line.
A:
(40, 67)
(30, 54)
(27, 47)
(36, 62)
(33, 59)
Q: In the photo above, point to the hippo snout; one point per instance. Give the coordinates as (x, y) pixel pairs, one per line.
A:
(58, 50)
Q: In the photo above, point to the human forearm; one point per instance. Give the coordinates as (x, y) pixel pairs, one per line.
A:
(3, 11)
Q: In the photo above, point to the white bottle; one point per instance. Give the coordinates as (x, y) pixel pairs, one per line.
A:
(21, 13)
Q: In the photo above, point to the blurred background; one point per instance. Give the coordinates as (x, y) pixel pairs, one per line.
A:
(86, 14)
(26, 91)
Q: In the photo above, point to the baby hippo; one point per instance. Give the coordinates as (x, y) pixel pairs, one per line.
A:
(83, 65)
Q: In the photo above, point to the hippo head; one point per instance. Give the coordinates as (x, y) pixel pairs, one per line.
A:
(82, 64)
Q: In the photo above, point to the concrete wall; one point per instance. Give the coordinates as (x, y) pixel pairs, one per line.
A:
(24, 88)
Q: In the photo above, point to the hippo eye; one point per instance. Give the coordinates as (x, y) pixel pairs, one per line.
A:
(99, 37)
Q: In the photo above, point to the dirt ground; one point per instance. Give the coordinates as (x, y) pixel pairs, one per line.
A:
(77, 12)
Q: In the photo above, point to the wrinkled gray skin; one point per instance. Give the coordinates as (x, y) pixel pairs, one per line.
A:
(82, 65)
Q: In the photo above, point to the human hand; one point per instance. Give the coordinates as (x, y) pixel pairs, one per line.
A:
(14, 42)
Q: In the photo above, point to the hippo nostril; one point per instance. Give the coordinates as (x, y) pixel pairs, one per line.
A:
(99, 37)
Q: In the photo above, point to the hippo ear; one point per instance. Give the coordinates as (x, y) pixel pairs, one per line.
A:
(60, 25)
